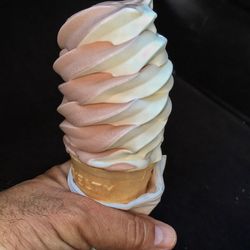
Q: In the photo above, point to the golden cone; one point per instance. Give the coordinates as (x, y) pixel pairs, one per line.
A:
(110, 186)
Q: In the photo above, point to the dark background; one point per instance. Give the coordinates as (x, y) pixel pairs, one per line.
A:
(207, 197)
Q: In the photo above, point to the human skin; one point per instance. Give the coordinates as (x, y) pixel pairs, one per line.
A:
(42, 213)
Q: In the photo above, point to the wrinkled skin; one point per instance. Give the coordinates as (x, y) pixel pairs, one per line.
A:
(43, 214)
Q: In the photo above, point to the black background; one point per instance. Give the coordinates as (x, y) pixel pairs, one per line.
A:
(207, 139)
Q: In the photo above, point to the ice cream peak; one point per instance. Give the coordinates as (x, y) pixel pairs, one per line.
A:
(118, 77)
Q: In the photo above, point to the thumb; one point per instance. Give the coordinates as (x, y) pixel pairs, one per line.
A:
(114, 229)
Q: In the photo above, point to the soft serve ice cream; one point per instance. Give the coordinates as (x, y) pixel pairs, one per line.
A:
(117, 79)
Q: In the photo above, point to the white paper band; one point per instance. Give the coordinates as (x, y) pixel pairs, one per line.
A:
(143, 204)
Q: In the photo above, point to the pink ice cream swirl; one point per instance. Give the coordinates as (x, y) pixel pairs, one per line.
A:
(117, 79)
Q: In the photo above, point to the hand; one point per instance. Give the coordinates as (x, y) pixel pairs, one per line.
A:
(43, 214)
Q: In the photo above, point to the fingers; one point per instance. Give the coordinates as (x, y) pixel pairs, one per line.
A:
(111, 229)
(57, 176)
(114, 229)
(65, 167)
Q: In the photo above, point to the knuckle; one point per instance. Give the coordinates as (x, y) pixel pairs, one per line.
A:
(81, 211)
(137, 232)
(78, 214)
(54, 169)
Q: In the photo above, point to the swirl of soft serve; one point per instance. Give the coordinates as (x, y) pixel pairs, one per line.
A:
(118, 78)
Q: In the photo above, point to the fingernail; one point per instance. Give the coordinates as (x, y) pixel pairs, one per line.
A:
(165, 237)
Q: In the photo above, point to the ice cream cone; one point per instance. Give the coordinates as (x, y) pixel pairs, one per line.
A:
(116, 102)
(110, 186)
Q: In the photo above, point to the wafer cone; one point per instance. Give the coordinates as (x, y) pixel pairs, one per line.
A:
(110, 186)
